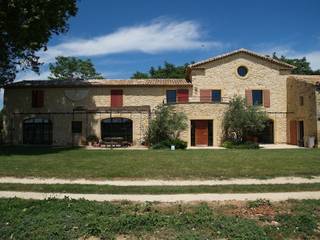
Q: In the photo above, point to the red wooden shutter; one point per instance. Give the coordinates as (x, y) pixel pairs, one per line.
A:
(249, 96)
(183, 95)
(205, 95)
(40, 98)
(116, 98)
(266, 98)
(37, 98)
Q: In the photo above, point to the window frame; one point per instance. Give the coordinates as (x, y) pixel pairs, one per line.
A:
(212, 95)
(171, 99)
(253, 92)
(301, 101)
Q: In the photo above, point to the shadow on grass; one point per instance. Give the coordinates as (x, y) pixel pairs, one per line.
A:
(7, 150)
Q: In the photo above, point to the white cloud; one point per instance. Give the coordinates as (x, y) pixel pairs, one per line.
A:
(312, 56)
(161, 35)
(29, 75)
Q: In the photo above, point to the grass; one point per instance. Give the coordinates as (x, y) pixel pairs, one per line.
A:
(108, 189)
(80, 219)
(157, 164)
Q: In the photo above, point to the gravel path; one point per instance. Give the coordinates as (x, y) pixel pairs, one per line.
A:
(166, 197)
(149, 182)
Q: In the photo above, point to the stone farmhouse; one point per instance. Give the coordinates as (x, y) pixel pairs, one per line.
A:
(67, 112)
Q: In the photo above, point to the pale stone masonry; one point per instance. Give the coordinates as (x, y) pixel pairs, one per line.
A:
(292, 103)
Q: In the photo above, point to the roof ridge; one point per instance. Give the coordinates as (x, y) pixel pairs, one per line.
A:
(227, 54)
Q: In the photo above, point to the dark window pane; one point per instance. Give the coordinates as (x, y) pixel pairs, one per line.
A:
(257, 97)
(242, 71)
(171, 96)
(76, 126)
(216, 96)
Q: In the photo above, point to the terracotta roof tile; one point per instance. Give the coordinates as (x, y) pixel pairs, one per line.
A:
(101, 82)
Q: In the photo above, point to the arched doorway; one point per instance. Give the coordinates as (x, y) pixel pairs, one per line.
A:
(267, 134)
(37, 131)
(116, 128)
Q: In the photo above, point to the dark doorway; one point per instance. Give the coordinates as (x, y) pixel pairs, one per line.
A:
(301, 133)
(117, 128)
(267, 135)
(201, 133)
(37, 131)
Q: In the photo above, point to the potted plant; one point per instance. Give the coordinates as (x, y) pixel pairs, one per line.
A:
(92, 139)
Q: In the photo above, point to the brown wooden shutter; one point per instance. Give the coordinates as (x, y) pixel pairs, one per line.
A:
(293, 132)
(249, 96)
(37, 98)
(205, 95)
(266, 98)
(34, 99)
(116, 98)
(183, 95)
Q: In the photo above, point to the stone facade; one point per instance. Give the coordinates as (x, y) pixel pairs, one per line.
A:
(62, 104)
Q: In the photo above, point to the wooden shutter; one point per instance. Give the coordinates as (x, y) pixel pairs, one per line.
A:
(37, 98)
(266, 98)
(293, 132)
(249, 96)
(183, 95)
(116, 98)
(205, 95)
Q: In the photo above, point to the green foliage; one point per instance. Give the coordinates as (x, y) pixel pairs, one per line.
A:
(25, 28)
(258, 203)
(169, 70)
(166, 125)
(241, 120)
(179, 144)
(92, 138)
(71, 68)
(240, 145)
(303, 66)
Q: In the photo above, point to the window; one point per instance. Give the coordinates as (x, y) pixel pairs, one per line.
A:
(301, 100)
(116, 98)
(257, 97)
(37, 98)
(171, 96)
(37, 131)
(216, 96)
(76, 126)
(242, 71)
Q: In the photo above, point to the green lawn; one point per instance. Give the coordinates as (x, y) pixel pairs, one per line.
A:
(108, 189)
(80, 219)
(189, 164)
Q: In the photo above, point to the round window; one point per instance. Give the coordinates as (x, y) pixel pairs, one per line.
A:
(242, 71)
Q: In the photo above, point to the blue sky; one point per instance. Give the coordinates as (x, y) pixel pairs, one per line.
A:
(122, 37)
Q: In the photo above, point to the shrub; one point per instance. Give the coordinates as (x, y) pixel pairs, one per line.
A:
(244, 145)
(92, 138)
(179, 144)
(242, 120)
(166, 125)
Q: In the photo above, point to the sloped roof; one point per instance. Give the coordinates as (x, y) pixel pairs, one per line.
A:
(242, 50)
(101, 82)
(314, 79)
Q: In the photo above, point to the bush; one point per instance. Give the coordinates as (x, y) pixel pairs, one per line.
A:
(179, 144)
(92, 138)
(245, 145)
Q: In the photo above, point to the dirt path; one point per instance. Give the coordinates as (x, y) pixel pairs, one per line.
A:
(166, 197)
(150, 182)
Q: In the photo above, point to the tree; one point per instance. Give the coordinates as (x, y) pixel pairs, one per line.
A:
(169, 70)
(71, 68)
(166, 125)
(303, 66)
(241, 120)
(25, 28)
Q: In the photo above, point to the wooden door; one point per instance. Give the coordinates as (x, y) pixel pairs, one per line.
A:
(293, 132)
(201, 132)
